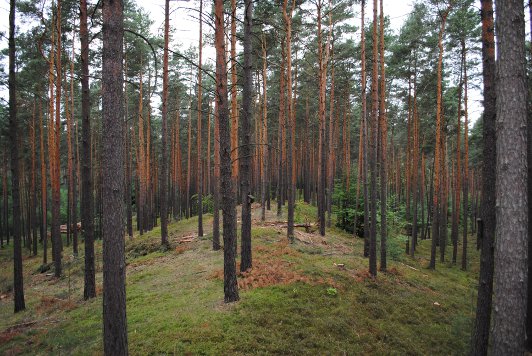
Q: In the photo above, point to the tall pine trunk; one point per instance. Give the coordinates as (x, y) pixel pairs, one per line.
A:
(287, 15)
(234, 99)
(373, 148)
(216, 188)
(438, 154)
(245, 159)
(44, 192)
(510, 289)
(199, 166)
(18, 281)
(480, 343)
(114, 267)
(163, 198)
(56, 192)
(281, 132)
(228, 197)
(465, 163)
(264, 139)
(383, 142)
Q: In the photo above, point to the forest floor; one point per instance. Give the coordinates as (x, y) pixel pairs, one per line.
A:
(308, 298)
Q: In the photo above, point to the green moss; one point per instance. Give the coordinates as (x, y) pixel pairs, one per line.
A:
(175, 300)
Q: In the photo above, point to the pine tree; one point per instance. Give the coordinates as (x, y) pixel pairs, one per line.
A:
(245, 151)
(228, 200)
(509, 307)
(163, 199)
(199, 169)
(114, 269)
(18, 277)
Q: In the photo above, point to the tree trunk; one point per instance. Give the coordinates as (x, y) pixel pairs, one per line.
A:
(228, 198)
(415, 170)
(373, 148)
(529, 185)
(189, 157)
(384, 136)
(127, 159)
(114, 267)
(458, 169)
(33, 195)
(466, 162)
(323, 59)
(290, 139)
(364, 133)
(56, 193)
(208, 188)
(438, 154)
(234, 99)
(69, 113)
(75, 158)
(200, 118)
(141, 166)
(18, 277)
(264, 140)
(44, 237)
(480, 343)
(331, 143)
(245, 151)
(281, 132)
(163, 197)
(511, 189)
(216, 199)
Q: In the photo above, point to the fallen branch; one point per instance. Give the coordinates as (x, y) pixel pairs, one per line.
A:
(24, 325)
(415, 269)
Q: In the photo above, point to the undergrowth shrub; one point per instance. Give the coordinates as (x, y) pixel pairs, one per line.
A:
(347, 214)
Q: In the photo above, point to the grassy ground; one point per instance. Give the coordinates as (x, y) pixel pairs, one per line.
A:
(298, 299)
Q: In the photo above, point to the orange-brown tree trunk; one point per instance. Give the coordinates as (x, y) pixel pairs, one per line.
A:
(234, 100)
(163, 197)
(56, 194)
(287, 15)
(264, 131)
(200, 118)
(383, 123)
(438, 154)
